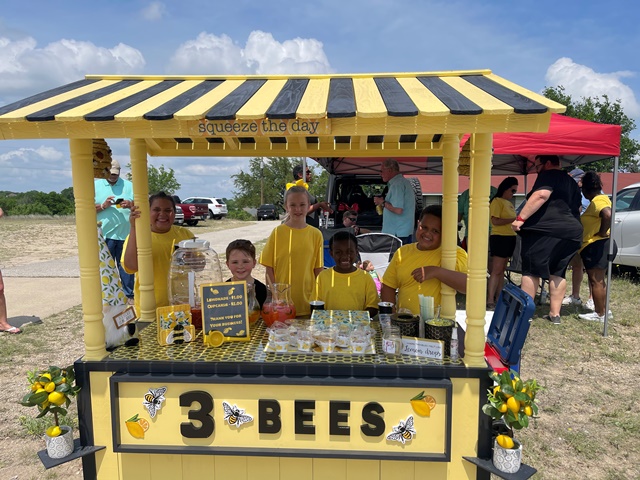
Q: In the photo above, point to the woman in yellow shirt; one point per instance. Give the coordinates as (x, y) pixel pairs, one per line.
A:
(502, 241)
(415, 268)
(596, 222)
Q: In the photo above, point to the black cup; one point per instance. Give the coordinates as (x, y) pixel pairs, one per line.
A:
(316, 305)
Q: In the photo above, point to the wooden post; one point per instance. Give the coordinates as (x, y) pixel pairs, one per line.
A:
(88, 252)
(478, 247)
(138, 149)
(450, 150)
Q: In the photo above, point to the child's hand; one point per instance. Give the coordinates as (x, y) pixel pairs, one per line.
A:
(423, 273)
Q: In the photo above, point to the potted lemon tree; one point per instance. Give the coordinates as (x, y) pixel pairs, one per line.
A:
(51, 392)
(512, 401)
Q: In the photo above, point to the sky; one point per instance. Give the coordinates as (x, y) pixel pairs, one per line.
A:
(589, 47)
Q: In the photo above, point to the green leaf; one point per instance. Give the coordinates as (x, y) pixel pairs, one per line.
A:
(521, 397)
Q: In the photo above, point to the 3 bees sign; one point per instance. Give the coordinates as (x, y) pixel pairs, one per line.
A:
(332, 419)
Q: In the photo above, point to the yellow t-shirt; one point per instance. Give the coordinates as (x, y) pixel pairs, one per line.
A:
(293, 254)
(591, 219)
(161, 253)
(502, 208)
(406, 260)
(346, 291)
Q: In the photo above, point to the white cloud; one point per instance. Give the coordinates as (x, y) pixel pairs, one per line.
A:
(154, 11)
(25, 68)
(582, 81)
(262, 54)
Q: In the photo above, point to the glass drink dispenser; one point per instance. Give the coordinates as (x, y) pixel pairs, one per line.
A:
(193, 263)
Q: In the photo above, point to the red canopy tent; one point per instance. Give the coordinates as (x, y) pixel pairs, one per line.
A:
(576, 142)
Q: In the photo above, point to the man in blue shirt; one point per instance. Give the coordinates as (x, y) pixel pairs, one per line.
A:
(399, 206)
(113, 199)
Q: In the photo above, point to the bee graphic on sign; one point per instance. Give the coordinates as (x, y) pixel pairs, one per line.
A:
(235, 416)
(403, 432)
(153, 400)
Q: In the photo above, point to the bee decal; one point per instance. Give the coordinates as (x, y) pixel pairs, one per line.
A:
(153, 400)
(403, 432)
(235, 416)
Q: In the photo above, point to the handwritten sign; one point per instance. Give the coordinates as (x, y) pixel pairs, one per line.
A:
(423, 348)
(224, 309)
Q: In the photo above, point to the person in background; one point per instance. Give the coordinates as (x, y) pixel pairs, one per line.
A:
(576, 262)
(594, 251)
(4, 324)
(164, 236)
(113, 199)
(241, 259)
(315, 207)
(344, 286)
(349, 220)
(551, 232)
(463, 213)
(502, 241)
(294, 252)
(399, 206)
(368, 266)
(415, 268)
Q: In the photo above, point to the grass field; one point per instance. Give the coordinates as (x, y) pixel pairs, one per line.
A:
(588, 426)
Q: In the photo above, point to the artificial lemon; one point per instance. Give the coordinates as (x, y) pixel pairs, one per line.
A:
(57, 398)
(505, 441)
(54, 431)
(513, 404)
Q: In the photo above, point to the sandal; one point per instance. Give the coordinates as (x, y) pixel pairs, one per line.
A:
(12, 330)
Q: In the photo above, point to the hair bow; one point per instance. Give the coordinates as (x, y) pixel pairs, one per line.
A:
(298, 183)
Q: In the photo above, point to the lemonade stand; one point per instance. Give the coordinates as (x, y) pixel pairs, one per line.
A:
(238, 411)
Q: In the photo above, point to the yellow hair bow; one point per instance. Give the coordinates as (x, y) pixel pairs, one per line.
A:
(299, 183)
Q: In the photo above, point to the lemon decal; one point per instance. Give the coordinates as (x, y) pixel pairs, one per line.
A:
(137, 426)
(423, 404)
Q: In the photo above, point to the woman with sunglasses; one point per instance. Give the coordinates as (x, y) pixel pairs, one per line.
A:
(502, 241)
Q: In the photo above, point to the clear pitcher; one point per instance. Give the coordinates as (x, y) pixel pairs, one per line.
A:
(278, 306)
(253, 307)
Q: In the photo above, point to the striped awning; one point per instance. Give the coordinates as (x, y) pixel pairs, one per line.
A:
(401, 114)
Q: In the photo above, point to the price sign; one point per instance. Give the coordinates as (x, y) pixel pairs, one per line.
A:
(224, 309)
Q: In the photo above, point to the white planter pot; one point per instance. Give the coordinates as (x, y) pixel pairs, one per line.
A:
(507, 460)
(62, 445)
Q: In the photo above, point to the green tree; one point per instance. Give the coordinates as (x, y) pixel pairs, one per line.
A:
(602, 110)
(270, 177)
(160, 180)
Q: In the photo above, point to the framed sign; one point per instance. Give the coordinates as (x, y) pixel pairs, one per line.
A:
(224, 310)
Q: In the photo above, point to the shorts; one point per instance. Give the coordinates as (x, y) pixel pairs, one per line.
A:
(502, 245)
(594, 255)
(544, 256)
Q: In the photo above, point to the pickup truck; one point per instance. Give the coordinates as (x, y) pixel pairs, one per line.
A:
(193, 212)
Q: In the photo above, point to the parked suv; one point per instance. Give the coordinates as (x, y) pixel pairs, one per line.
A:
(626, 226)
(267, 211)
(355, 191)
(217, 208)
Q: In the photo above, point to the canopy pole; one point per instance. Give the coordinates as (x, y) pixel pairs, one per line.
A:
(81, 151)
(610, 259)
(450, 155)
(138, 150)
(478, 247)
